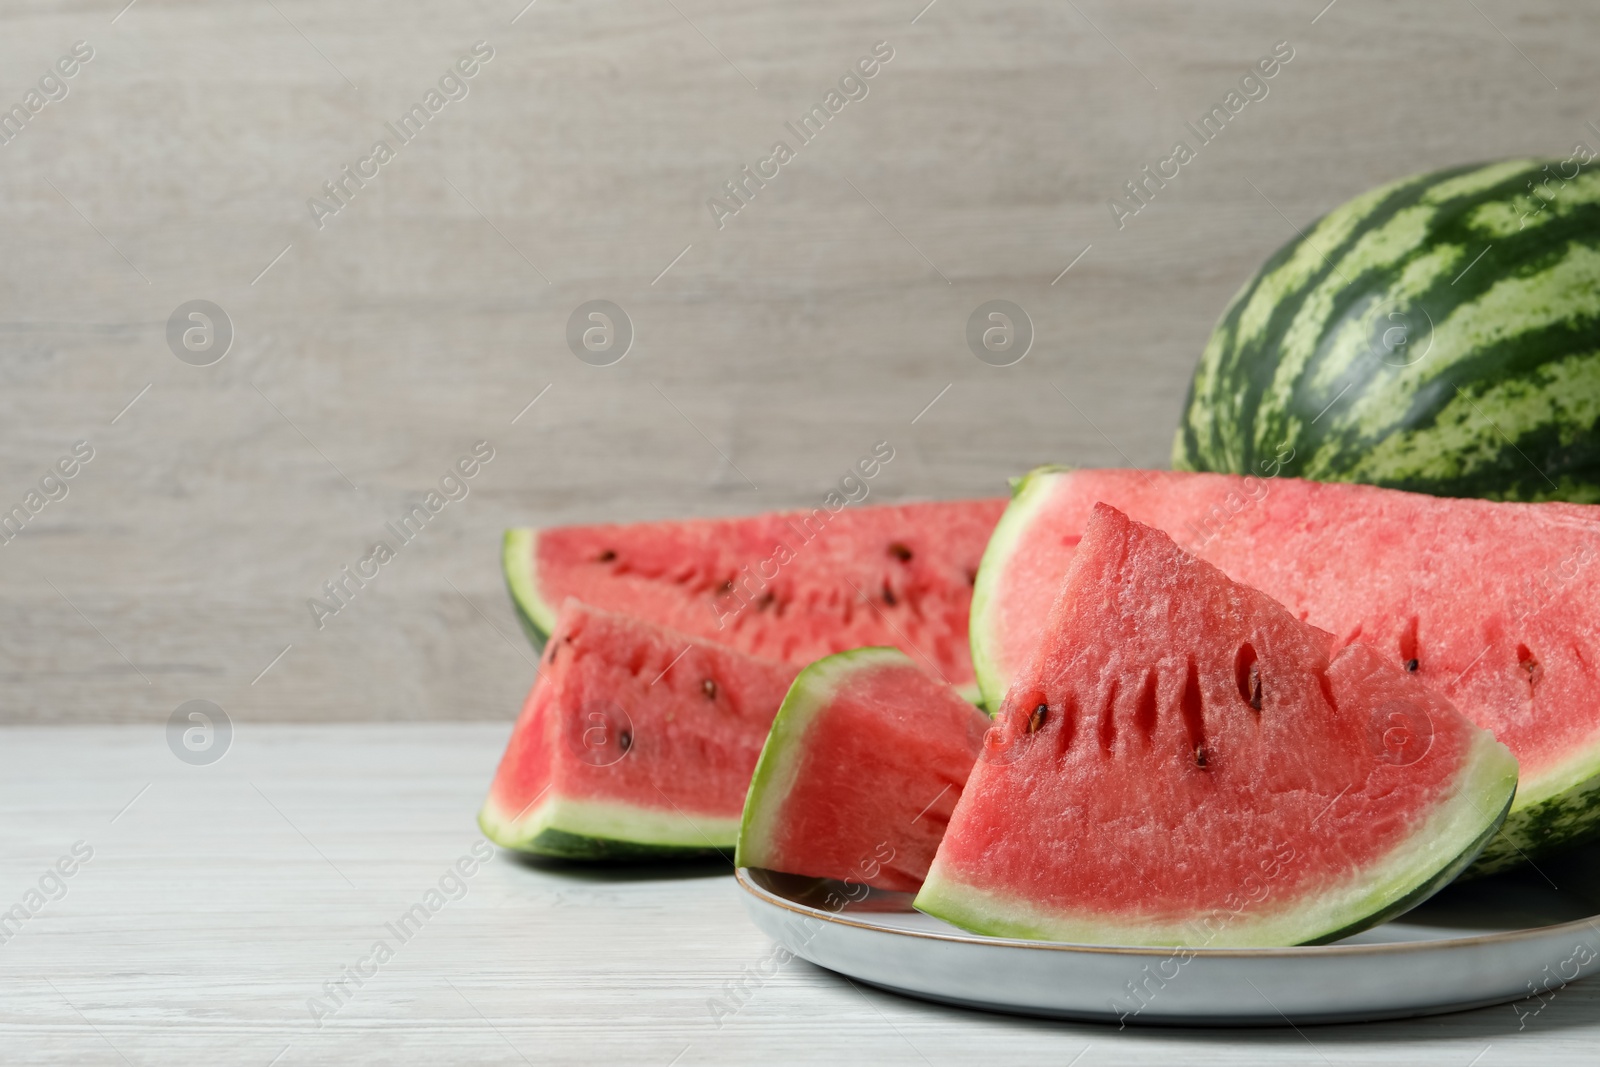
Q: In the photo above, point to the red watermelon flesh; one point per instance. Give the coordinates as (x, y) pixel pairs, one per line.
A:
(1182, 763)
(863, 766)
(791, 586)
(1491, 603)
(635, 741)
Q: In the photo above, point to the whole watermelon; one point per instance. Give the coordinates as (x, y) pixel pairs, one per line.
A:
(1440, 334)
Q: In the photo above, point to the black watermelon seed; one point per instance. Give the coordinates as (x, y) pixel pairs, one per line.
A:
(1411, 665)
(900, 552)
(709, 688)
(606, 557)
(1255, 686)
(1200, 756)
(625, 740)
(888, 595)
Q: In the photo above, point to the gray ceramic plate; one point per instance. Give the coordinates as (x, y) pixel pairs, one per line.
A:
(1486, 942)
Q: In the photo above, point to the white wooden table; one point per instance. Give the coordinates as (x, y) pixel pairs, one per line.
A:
(219, 900)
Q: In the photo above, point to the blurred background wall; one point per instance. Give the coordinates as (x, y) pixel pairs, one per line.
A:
(417, 312)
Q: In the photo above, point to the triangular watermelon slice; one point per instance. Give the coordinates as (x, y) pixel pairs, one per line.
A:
(1187, 766)
(1492, 604)
(791, 586)
(636, 741)
(857, 780)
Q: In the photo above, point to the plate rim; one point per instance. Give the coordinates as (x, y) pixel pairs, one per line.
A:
(1591, 923)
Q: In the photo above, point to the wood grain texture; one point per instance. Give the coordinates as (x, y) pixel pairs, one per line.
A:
(220, 900)
(427, 314)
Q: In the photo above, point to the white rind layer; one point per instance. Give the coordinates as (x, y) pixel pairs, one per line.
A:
(522, 575)
(606, 820)
(992, 677)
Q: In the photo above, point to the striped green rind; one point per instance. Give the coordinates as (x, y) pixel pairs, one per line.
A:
(556, 844)
(1441, 845)
(1027, 493)
(776, 770)
(1440, 334)
(569, 828)
(1558, 810)
(517, 562)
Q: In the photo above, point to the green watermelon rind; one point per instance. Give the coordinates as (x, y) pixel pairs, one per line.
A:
(1462, 822)
(1554, 812)
(1027, 493)
(537, 617)
(557, 844)
(812, 690)
(1503, 407)
(569, 828)
(1420, 895)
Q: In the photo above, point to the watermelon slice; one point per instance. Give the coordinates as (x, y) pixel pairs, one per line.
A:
(1191, 768)
(792, 586)
(857, 780)
(635, 741)
(1490, 603)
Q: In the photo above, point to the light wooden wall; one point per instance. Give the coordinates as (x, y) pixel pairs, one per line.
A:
(423, 317)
